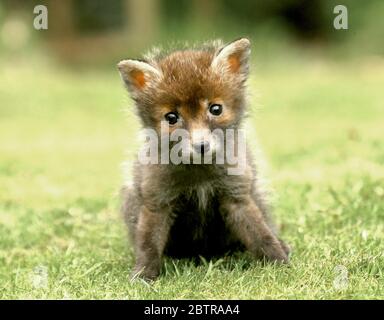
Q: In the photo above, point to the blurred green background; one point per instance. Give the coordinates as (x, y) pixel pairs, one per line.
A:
(96, 32)
(66, 125)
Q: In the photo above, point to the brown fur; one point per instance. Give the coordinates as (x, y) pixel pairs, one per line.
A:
(190, 210)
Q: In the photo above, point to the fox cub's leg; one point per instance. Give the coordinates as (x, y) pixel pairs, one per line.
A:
(148, 233)
(151, 234)
(247, 222)
(130, 209)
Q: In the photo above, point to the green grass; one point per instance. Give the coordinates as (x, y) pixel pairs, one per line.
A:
(63, 136)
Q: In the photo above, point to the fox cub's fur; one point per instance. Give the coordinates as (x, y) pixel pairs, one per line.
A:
(187, 210)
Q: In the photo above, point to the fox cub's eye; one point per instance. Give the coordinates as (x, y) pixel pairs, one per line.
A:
(216, 109)
(171, 117)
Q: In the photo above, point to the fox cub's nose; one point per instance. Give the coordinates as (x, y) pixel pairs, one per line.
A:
(201, 147)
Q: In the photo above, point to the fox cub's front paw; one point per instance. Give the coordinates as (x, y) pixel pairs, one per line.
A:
(286, 247)
(275, 251)
(149, 273)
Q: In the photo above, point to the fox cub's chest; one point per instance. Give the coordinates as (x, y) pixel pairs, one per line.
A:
(198, 227)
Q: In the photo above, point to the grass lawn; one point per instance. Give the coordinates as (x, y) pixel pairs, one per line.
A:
(64, 134)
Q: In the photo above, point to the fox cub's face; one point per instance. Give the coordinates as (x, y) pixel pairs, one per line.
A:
(195, 90)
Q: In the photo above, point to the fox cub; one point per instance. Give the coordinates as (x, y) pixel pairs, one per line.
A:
(194, 208)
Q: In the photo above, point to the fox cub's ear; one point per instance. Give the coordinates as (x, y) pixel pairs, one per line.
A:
(137, 75)
(233, 58)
